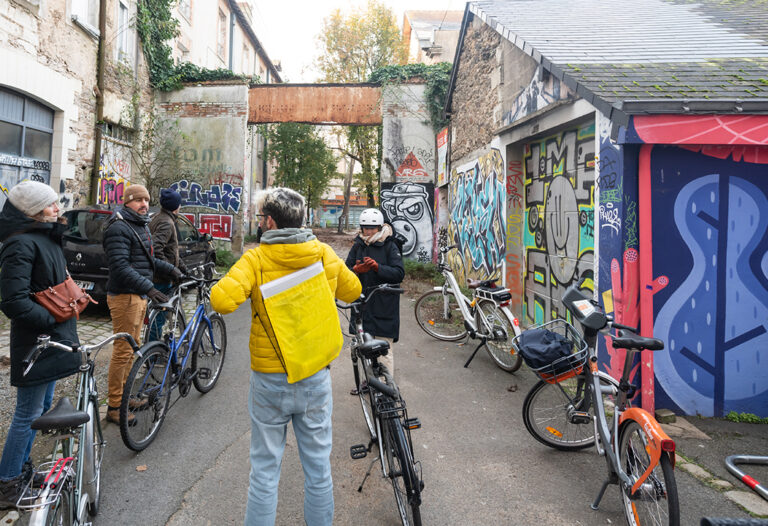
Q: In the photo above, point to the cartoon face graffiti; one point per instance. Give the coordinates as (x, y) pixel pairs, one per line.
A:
(406, 206)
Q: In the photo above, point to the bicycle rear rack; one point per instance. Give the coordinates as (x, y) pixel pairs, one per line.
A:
(56, 476)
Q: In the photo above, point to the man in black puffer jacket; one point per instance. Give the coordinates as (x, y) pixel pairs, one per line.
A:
(375, 258)
(132, 264)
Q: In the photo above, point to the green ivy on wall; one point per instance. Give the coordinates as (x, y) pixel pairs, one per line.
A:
(156, 26)
(437, 77)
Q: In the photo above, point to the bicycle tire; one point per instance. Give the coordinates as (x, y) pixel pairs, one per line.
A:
(405, 481)
(728, 521)
(58, 513)
(545, 412)
(175, 321)
(656, 501)
(151, 395)
(503, 352)
(93, 453)
(209, 350)
(365, 396)
(431, 316)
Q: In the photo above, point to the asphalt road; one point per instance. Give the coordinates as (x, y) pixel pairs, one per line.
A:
(480, 466)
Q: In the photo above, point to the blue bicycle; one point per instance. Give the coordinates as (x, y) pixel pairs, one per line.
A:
(192, 356)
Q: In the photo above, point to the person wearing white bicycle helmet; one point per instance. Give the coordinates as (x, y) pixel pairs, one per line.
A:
(375, 258)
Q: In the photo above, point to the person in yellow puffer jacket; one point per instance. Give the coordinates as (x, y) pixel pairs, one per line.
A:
(272, 402)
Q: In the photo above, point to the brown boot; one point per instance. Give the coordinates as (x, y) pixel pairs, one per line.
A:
(113, 415)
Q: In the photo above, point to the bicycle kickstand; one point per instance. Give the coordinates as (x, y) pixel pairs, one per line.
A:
(367, 474)
(596, 504)
(482, 342)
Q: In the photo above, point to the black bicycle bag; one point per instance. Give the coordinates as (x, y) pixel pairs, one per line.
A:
(540, 347)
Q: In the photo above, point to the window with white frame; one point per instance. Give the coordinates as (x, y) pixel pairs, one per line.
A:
(185, 9)
(86, 14)
(221, 41)
(125, 29)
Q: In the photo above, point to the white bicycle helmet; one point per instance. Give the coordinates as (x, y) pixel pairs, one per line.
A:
(371, 217)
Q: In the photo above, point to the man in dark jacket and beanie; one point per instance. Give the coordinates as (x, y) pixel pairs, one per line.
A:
(375, 258)
(31, 260)
(165, 240)
(132, 265)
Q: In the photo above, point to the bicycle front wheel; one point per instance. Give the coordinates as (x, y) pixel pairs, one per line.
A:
(655, 502)
(553, 413)
(439, 315)
(145, 397)
(208, 353)
(172, 328)
(92, 446)
(405, 479)
(365, 395)
(497, 321)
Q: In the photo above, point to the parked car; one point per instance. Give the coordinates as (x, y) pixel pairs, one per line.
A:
(85, 256)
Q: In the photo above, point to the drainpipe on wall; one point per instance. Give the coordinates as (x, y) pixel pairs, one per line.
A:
(100, 64)
(231, 39)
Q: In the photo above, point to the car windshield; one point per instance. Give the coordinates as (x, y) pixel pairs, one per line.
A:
(87, 225)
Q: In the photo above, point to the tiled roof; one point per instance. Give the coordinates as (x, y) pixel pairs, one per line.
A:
(645, 55)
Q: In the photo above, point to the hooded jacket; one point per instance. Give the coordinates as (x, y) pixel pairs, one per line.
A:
(381, 316)
(131, 263)
(31, 260)
(165, 238)
(281, 252)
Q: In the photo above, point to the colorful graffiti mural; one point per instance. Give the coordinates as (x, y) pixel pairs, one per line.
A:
(515, 256)
(225, 197)
(218, 225)
(710, 215)
(559, 230)
(476, 197)
(544, 89)
(408, 208)
(114, 171)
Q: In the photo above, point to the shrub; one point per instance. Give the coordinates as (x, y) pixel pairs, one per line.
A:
(423, 272)
(224, 259)
(251, 238)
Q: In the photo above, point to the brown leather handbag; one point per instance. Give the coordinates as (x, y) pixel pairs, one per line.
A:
(65, 300)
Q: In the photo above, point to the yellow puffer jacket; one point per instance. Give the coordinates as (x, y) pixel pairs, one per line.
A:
(265, 263)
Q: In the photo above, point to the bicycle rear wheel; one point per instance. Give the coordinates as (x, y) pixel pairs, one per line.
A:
(145, 397)
(656, 501)
(548, 411)
(494, 319)
(59, 513)
(439, 315)
(173, 325)
(365, 395)
(402, 472)
(208, 353)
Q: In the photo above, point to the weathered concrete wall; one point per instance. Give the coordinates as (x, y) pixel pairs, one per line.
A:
(212, 181)
(409, 162)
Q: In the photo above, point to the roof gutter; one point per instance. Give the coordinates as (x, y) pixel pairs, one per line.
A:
(694, 106)
(455, 68)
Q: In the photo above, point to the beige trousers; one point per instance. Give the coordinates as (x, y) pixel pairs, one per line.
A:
(127, 311)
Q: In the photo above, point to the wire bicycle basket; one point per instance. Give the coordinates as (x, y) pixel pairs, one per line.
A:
(561, 368)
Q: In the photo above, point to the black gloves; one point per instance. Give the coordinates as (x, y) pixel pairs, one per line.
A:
(157, 296)
(176, 274)
(183, 267)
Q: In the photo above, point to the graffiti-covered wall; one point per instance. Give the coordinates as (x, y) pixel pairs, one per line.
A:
(213, 122)
(114, 171)
(710, 239)
(476, 198)
(559, 219)
(408, 165)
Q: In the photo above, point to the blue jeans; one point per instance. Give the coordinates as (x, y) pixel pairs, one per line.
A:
(272, 403)
(154, 331)
(31, 402)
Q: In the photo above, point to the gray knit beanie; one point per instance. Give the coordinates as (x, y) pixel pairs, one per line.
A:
(30, 197)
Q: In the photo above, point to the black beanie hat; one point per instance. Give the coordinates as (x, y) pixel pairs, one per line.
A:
(170, 199)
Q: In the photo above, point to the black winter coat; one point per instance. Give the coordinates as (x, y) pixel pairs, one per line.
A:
(381, 316)
(131, 263)
(31, 260)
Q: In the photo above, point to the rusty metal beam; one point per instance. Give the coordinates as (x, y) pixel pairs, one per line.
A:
(345, 104)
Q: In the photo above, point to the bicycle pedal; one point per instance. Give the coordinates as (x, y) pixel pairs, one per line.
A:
(581, 417)
(204, 373)
(413, 423)
(358, 451)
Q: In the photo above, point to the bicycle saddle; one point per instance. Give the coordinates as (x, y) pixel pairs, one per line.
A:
(629, 340)
(373, 348)
(62, 416)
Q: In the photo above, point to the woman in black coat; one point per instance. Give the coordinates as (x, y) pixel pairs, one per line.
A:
(375, 258)
(31, 260)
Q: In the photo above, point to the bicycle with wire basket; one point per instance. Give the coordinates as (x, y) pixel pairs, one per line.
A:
(574, 406)
(66, 489)
(185, 357)
(447, 314)
(385, 413)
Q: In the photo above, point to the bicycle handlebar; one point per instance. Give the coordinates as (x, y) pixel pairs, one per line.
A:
(384, 287)
(44, 342)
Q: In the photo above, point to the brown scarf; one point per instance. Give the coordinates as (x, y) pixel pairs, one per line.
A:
(381, 235)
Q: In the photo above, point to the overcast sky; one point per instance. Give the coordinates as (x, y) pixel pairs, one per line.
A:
(288, 28)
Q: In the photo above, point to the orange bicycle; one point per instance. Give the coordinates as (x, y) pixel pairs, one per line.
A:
(574, 406)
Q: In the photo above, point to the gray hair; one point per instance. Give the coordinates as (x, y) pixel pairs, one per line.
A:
(283, 205)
